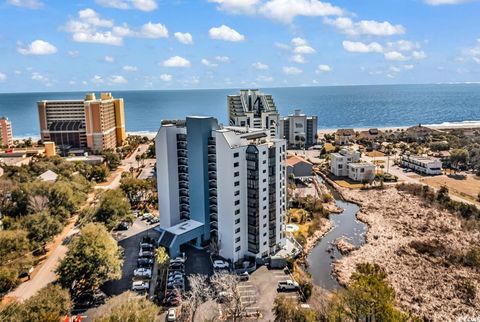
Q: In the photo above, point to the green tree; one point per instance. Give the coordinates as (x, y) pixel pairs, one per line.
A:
(368, 297)
(50, 304)
(113, 209)
(93, 258)
(458, 157)
(112, 160)
(127, 308)
(41, 228)
(136, 190)
(287, 310)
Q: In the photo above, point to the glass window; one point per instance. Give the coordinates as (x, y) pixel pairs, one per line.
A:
(235, 155)
(235, 165)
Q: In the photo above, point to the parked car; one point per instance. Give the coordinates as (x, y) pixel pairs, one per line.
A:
(146, 253)
(89, 299)
(146, 216)
(176, 284)
(173, 301)
(124, 225)
(154, 220)
(145, 262)
(175, 266)
(146, 248)
(171, 315)
(142, 272)
(219, 264)
(177, 260)
(175, 279)
(140, 286)
(175, 274)
(288, 285)
(243, 276)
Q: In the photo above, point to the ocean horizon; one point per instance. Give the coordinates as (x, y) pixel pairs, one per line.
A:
(355, 106)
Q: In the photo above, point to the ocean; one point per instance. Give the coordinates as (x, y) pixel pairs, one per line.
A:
(335, 106)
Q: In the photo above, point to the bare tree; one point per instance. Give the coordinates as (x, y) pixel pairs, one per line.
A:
(198, 294)
(232, 303)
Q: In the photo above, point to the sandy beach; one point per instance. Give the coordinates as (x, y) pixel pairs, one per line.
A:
(428, 284)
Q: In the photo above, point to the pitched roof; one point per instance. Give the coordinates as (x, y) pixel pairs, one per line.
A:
(48, 175)
(345, 132)
(293, 160)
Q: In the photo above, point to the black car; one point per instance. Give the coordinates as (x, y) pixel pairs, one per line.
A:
(176, 266)
(144, 262)
(124, 225)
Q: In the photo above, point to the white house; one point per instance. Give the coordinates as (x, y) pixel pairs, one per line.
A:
(361, 171)
(339, 161)
(344, 136)
(425, 165)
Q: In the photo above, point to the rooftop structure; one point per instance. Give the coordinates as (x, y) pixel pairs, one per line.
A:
(224, 186)
(91, 124)
(344, 136)
(254, 109)
(299, 130)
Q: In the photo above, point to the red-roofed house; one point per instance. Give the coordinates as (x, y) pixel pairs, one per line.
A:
(298, 166)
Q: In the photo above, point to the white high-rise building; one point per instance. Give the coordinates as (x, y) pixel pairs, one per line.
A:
(299, 130)
(224, 185)
(254, 109)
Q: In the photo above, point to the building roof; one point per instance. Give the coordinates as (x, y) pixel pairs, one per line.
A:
(48, 176)
(184, 227)
(294, 160)
(360, 164)
(345, 132)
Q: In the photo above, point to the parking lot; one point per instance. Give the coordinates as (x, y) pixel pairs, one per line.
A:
(129, 240)
(259, 292)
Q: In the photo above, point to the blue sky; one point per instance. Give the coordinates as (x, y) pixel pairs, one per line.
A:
(84, 45)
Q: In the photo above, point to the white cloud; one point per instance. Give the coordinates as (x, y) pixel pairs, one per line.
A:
(403, 45)
(365, 27)
(473, 52)
(297, 41)
(263, 78)
(176, 61)
(282, 46)
(109, 59)
(3, 77)
(106, 38)
(36, 76)
(129, 68)
(38, 47)
(360, 47)
(208, 63)
(408, 67)
(225, 33)
(97, 79)
(395, 69)
(260, 66)
(299, 59)
(442, 2)
(73, 53)
(323, 69)
(304, 50)
(29, 4)
(118, 79)
(166, 77)
(153, 30)
(237, 6)
(223, 59)
(291, 70)
(286, 10)
(419, 55)
(143, 5)
(91, 17)
(185, 38)
(395, 55)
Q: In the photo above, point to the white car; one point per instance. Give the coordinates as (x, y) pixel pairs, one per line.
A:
(140, 286)
(171, 315)
(219, 264)
(145, 253)
(142, 272)
(177, 260)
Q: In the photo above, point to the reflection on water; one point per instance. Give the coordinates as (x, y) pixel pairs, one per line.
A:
(321, 257)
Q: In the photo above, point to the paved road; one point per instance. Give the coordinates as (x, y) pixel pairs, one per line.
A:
(46, 272)
(125, 166)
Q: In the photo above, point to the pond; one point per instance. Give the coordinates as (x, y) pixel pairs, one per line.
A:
(324, 253)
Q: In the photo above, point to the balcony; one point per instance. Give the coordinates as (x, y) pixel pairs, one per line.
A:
(182, 169)
(213, 217)
(212, 175)
(212, 167)
(213, 200)
(183, 193)
(183, 177)
(183, 185)
(184, 200)
(181, 145)
(212, 150)
(214, 225)
(212, 159)
(185, 208)
(213, 208)
(182, 153)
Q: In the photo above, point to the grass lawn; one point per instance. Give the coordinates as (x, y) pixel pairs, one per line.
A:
(345, 184)
(375, 154)
(467, 186)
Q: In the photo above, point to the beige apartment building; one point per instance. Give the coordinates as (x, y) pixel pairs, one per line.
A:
(6, 135)
(91, 124)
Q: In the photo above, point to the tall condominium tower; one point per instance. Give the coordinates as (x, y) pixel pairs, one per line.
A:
(299, 130)
(92, 124)
(220, 185)
(253, 109)
(6, 135)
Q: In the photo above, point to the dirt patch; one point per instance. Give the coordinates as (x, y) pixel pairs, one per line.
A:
(467, 186)
(421, 249)
(344, 246)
